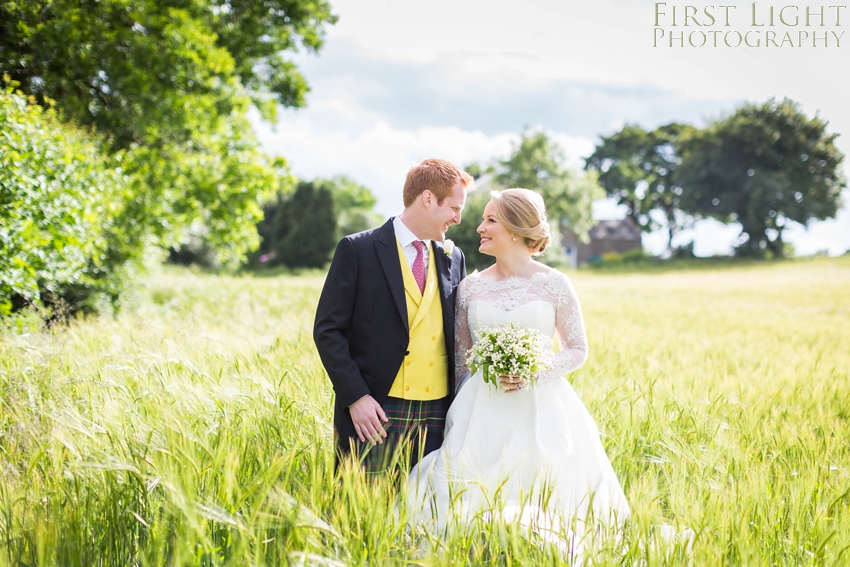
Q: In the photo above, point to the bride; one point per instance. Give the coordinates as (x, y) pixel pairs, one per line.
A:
(527, 450)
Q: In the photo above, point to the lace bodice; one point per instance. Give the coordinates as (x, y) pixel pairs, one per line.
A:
(546, 301)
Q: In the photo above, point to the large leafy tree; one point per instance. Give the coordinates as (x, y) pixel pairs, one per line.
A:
(537, 163)
(132, 67)
(465, 235)
(169, 83)
(354, 204)
(639, 168)
(299, 229)
(763, 166)
(57, 199)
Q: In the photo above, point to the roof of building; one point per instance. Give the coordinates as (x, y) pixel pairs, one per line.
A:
(615, 230)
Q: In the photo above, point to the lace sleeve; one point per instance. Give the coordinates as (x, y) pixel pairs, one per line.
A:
(570, 327)
(463, 336)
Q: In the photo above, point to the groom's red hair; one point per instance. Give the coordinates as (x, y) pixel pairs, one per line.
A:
(437, 176)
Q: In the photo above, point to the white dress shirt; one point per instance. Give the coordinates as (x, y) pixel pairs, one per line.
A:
(406, 238)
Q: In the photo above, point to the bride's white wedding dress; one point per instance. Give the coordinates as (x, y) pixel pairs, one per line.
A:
(533, 454)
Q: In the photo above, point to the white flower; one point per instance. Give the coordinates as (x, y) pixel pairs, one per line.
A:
(448, 247)
(509, 349)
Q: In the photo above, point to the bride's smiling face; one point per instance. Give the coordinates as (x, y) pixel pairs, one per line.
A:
(494, 236)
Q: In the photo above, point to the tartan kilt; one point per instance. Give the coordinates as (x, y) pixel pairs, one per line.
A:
(415, 428)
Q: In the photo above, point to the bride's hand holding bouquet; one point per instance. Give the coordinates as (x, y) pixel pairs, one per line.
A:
(509, 356)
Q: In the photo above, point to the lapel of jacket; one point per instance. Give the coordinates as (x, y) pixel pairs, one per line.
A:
(387, 250)
(443, 264)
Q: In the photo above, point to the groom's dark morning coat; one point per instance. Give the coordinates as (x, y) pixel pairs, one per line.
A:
(361, 327)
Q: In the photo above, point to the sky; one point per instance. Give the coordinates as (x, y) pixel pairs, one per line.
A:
(399, 81)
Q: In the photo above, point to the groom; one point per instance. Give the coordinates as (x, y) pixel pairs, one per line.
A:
(384, 325)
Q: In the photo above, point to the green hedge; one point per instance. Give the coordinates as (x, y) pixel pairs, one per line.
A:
(58, 196)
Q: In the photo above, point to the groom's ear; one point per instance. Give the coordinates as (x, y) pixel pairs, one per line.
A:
(428, 198)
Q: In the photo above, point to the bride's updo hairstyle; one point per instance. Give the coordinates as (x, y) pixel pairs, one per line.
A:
(523, 213)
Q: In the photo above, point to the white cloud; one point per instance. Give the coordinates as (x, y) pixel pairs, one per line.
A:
(378, 156)
(709, 236)
(832, 235)
(608, 209)
(608, 41)
(398, 82)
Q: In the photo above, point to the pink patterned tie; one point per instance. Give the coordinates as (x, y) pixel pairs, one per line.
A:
(419, 265)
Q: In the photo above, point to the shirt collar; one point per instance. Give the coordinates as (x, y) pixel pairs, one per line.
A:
(405, 235)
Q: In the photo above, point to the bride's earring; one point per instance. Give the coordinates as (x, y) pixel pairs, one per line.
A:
(515, 238)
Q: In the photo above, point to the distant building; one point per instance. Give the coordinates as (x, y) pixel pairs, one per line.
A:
(616, 236)
(485, 182)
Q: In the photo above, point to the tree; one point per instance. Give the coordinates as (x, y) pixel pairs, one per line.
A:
(319, 211)
(640, 168)
(312, 232)
(57, 202)
(465, 235)
(168, 84)
(354, 204)
(200, 246)
(763, 166)
(150, 69)
(537, 164)
(299, 229)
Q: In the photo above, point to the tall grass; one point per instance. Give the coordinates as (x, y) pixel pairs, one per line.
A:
(195, 430)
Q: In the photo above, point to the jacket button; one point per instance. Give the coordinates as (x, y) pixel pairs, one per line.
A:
(407, 353)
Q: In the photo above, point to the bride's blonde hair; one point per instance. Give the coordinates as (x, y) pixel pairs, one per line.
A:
(523, 213)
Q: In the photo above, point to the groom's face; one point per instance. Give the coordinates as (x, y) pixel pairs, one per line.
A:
(440, 216)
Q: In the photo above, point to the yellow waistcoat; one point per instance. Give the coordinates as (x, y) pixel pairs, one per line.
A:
(423, 374)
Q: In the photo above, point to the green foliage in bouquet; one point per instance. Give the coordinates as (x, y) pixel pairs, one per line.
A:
(508, 349)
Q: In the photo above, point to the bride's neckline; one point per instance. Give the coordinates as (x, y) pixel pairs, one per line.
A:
(479, 276)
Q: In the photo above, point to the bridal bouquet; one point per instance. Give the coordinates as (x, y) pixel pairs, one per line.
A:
(509, 349)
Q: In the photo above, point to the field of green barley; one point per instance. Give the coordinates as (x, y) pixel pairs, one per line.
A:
(194, 428)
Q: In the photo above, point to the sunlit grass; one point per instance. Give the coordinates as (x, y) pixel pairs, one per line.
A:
(195, 428)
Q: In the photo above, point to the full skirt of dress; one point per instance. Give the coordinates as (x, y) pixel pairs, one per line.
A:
(535, 454)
